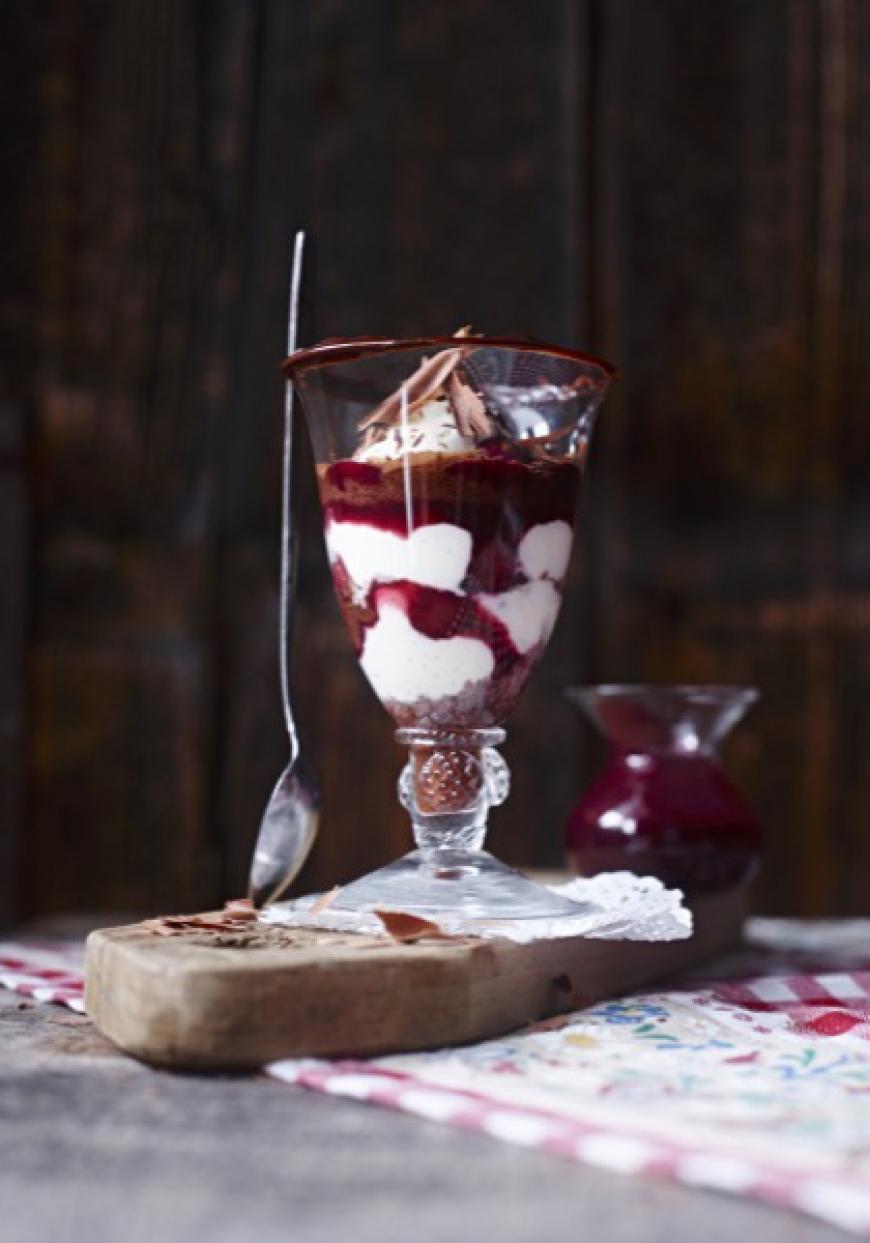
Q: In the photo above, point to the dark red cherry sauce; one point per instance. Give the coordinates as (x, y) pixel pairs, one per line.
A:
(497, 499)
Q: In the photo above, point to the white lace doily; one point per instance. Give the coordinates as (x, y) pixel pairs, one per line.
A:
(615, 906)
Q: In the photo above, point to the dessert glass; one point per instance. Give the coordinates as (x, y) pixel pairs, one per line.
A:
(448, 471)
(663, 805)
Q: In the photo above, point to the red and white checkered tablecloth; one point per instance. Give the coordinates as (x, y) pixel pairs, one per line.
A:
(753, 1079)
(45, 971)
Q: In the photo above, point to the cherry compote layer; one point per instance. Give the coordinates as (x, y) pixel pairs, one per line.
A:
(497, 497)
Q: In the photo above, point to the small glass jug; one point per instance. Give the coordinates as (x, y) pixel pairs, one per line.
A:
(663, 805)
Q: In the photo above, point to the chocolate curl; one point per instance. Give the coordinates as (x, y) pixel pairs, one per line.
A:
(409, 928)
(325, 901)
(468, 409)
(425, 382)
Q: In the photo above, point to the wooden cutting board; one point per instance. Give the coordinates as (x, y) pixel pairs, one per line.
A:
(193, 1001)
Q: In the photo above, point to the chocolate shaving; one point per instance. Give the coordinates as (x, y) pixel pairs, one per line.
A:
(409, 928)
(157, 927)
(468, 408)
(325, 901)
(422, 385)
(240, 908)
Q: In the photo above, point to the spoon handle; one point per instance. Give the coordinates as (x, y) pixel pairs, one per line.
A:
(289, 537)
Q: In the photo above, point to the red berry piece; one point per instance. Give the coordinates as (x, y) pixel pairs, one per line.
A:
(492, 569)
(345, 474)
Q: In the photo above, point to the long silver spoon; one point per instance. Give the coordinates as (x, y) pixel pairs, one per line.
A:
(289, 825)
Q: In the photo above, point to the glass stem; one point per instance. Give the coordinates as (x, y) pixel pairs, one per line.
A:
(451, 780)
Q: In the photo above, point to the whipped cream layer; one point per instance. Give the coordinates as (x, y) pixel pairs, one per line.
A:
(432, 556)
(404, 665)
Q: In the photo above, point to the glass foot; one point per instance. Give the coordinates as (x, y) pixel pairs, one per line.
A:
(471, 884)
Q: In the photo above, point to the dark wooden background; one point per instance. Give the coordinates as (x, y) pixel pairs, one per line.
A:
(682, 186)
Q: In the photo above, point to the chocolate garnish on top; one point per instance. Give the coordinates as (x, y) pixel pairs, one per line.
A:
(468, 408)
(431, 377)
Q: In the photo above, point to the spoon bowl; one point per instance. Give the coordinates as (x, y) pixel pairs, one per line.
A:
(286, 835)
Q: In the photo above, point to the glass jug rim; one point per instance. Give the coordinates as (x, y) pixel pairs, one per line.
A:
(350, 349)
(709, 690)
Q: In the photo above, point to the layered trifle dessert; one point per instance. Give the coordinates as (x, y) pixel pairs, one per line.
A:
(449, 541)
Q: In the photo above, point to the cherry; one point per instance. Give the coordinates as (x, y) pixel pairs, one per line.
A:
(342, 474)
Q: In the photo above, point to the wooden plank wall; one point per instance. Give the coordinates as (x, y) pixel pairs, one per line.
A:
(684, 187)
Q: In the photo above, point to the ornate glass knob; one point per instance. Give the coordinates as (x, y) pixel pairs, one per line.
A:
(496, 776)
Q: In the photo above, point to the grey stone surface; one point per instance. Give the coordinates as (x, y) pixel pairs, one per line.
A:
(95, 1148)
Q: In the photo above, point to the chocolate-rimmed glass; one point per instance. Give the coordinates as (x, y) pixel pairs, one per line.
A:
(448, 471)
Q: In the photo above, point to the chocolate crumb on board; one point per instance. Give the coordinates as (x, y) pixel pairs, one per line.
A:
(238, 913)
(237, 927)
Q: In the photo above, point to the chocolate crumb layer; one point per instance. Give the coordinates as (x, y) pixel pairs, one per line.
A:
(477, 706)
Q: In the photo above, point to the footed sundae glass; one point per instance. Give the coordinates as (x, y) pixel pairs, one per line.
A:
(448, 471)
